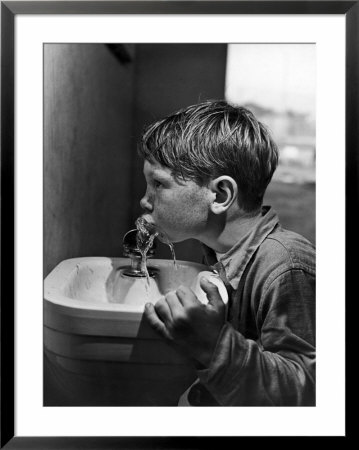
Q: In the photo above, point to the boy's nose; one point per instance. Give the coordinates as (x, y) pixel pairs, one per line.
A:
(145, 203)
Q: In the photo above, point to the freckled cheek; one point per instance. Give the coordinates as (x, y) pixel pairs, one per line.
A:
(182, 211)
(166, 210)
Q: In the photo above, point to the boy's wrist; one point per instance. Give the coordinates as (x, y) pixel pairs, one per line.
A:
(204, 354)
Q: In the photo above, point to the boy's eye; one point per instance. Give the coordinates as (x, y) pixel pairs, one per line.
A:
(157, 183)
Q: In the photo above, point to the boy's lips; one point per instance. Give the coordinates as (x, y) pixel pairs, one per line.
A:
(162, 236)
(149, 221)
(152, 226)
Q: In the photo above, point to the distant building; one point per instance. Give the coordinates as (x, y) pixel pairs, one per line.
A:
(294, 134)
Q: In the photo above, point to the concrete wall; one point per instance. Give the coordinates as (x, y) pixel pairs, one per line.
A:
(87, 151)
(95, 109)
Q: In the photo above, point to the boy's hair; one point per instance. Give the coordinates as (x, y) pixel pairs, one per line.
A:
(214, 138)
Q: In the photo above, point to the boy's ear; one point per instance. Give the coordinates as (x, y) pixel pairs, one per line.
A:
(226, 192)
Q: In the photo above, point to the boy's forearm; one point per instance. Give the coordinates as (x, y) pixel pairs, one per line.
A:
(243, 374)
(279, 367)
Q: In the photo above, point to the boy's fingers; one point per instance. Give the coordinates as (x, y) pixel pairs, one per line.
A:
(213, 295)
(186, 296)
(174, 303)
(163, 310)
(155, 322)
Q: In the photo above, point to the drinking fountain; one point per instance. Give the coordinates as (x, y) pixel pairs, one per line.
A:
(99, 349)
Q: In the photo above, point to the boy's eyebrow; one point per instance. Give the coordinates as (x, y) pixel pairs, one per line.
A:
(151, 171)
(160, 174)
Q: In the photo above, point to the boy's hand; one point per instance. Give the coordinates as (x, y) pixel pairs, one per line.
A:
(181, 318)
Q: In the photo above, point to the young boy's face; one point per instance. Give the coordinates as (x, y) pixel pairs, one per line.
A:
(179, 209)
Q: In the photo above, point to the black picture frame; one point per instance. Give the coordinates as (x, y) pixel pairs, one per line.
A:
(9, 10)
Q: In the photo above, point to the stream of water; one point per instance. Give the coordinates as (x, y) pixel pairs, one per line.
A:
(146, 234)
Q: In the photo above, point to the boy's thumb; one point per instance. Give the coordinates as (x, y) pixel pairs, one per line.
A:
(213, 295)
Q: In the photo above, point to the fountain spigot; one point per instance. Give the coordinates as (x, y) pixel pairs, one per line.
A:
(131, 250)
(130, 247)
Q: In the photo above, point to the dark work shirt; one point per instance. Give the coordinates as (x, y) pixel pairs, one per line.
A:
(265, 354)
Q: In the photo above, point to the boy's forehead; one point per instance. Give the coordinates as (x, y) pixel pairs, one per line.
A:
(155, 168)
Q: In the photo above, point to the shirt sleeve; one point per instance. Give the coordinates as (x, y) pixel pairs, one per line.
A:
(278, 369)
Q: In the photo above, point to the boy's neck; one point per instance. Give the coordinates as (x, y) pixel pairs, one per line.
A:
(224, 237)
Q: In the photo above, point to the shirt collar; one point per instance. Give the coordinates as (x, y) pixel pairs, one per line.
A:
(232, 264)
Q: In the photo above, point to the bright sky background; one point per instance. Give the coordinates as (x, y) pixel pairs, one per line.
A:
(279, 76)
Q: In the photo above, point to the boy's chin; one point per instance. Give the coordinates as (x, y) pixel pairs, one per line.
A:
(170, 239)
(165, 239)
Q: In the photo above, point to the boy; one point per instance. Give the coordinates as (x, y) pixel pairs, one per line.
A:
(207, 168)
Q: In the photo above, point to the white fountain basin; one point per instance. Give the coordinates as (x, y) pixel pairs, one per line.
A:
(99, 348)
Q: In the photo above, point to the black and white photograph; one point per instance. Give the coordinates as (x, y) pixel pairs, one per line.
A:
(177, 183)
(179, 224)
